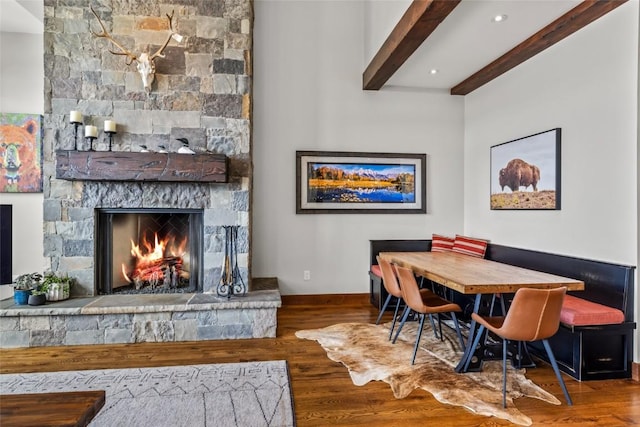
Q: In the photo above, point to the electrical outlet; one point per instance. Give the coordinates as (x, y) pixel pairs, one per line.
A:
(307, 275)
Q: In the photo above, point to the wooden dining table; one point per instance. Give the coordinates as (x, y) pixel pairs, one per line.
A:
(476, 276)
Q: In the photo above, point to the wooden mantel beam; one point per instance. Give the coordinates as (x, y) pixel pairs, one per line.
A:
(149, 167)
(418, 22)
(577, 18)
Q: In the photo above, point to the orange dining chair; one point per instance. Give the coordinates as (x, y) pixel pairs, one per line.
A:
(534, 315)
(424, 302)
(390, 282)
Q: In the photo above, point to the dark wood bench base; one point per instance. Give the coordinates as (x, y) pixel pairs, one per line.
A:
(592, 352)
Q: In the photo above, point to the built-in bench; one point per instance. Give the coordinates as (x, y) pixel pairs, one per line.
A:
(584, 351)
(377, 293)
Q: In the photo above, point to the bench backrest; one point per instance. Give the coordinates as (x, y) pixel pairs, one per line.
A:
(377, 246)
(605, 283)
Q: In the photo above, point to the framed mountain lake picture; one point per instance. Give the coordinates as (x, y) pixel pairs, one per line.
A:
(344, 182)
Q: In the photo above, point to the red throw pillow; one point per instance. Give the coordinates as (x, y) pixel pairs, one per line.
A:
(441, 243)
(469, 246)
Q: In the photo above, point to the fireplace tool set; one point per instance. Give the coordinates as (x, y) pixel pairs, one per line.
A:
(231, 282)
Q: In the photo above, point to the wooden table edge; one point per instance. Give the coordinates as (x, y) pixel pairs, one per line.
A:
(570, 284)
(90, 400)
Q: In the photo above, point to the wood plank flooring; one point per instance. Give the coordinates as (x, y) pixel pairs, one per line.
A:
(323, 392)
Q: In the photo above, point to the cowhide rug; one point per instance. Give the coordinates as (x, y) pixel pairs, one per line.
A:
(368, 355)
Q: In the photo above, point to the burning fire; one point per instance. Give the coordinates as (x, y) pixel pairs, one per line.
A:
(160, 263)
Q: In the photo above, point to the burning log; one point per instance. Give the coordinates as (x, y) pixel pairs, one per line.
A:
(157, 264)
(163, 271)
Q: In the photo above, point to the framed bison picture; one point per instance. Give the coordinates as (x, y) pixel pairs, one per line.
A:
(525, 172)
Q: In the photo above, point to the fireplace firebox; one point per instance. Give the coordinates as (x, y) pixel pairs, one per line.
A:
(148, 251)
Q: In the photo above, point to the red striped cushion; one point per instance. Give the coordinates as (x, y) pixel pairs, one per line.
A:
(468, 246)
(580, 312)
(375, 269)
(441, 243)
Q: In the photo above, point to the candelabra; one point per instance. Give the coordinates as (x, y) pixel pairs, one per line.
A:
(90, 139)
(76, 120)
(110, 130)
(90, 134)
(110, 136)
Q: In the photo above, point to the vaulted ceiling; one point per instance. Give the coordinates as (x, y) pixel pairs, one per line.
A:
(466, 48)
(455, 37)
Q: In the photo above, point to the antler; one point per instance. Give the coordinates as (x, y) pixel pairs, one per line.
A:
(105, 34)
(166, 43)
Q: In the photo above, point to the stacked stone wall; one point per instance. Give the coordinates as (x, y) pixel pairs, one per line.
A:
(202, 92)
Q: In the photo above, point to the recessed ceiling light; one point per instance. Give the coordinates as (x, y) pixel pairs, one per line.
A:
(433, 71)
(499, 18)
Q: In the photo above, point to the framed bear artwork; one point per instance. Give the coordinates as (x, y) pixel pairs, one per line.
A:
(20, 153)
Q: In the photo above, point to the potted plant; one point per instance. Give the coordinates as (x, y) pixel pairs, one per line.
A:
(38, 295)
(23, 286)
(58, 287)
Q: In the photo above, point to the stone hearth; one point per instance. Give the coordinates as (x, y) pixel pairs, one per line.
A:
(123, 319)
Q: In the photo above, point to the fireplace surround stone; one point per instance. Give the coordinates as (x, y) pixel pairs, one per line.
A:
(71, 242)
(124, 319)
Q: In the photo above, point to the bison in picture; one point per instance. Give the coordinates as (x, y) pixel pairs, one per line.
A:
(519, 173)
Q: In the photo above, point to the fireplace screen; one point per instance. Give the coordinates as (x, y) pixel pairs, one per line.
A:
(148, 250)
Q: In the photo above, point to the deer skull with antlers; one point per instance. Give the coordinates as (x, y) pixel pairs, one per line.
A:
(145, 61)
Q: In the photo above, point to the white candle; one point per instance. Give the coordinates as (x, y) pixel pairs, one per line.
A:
(75, 117)
(91, 131)
(109, 126)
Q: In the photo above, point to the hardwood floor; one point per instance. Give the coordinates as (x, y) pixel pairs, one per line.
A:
(323, 392)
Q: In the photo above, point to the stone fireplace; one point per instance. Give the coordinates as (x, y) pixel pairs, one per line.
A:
(202, 92)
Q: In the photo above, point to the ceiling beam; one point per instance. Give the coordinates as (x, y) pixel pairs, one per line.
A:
(418, 22)
(577, 18)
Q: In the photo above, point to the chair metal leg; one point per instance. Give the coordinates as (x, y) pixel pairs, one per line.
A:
(504, 373)
(433, 326)
(476, 341)
(520, 354)
(418, 335)
(384, 307)
(554, 364)
(395, 318)
(493, 302)
(502, 306)
(455, 323)
(405, 314)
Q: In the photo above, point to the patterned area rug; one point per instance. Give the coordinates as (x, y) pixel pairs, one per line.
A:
(233, 394)
(369, 356)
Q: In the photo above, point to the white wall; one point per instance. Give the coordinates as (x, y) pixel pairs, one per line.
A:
(585, 85)
(21, 91)
(588, 86)
(637, 302)
(309, 59)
